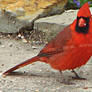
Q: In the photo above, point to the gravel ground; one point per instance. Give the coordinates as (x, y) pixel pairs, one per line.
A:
(37, 77)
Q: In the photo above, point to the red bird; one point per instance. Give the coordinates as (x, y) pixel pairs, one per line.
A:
(70, 49)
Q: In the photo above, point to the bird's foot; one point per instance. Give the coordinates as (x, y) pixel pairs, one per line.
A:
(78, 78)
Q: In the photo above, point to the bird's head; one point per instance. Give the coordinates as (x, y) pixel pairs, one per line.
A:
(83, 18)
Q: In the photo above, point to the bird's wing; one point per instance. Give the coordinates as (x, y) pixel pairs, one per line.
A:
(56, 45)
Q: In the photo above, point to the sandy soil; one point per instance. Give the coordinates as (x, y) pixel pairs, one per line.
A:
(37, 77)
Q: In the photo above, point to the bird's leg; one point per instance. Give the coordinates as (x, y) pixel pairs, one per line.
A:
(77, 76)
(60, 72)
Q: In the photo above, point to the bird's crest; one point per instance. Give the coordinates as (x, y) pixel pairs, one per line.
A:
(84, 11)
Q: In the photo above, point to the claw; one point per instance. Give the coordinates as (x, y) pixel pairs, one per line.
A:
(79, 78)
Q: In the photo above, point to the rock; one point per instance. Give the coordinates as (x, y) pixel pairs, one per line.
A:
(10, 24)
(20, 14)
(54, 24)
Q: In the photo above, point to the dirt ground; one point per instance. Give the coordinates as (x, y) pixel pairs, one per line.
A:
(37, 77)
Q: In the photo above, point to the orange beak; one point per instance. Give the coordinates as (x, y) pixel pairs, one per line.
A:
(82, 22)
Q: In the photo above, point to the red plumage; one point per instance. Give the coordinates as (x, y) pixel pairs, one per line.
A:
(71, 48)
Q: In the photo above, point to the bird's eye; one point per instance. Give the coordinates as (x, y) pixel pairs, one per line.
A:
(82, 22)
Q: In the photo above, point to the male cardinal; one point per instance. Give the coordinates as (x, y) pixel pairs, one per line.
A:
(70, 49)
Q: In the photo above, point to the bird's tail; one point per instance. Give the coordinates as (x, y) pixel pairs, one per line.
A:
(29, 61)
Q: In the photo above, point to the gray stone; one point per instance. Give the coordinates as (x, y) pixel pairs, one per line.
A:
(10, 24)
(20, 14)
(54, 24)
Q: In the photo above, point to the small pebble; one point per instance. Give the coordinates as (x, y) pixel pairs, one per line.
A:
(2, 46)
(10, 45)
(85, 88)
(22, 37)
(24, 40)
(37, 90)
(19, 35)
(1, 91)
(34, 47)
(0, 74)
(40, 70)
(0, 43)
(2, 65)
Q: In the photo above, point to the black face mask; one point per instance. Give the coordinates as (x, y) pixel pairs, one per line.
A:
(84, 29)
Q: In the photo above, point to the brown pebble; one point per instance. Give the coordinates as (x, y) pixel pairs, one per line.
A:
(2, 65)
